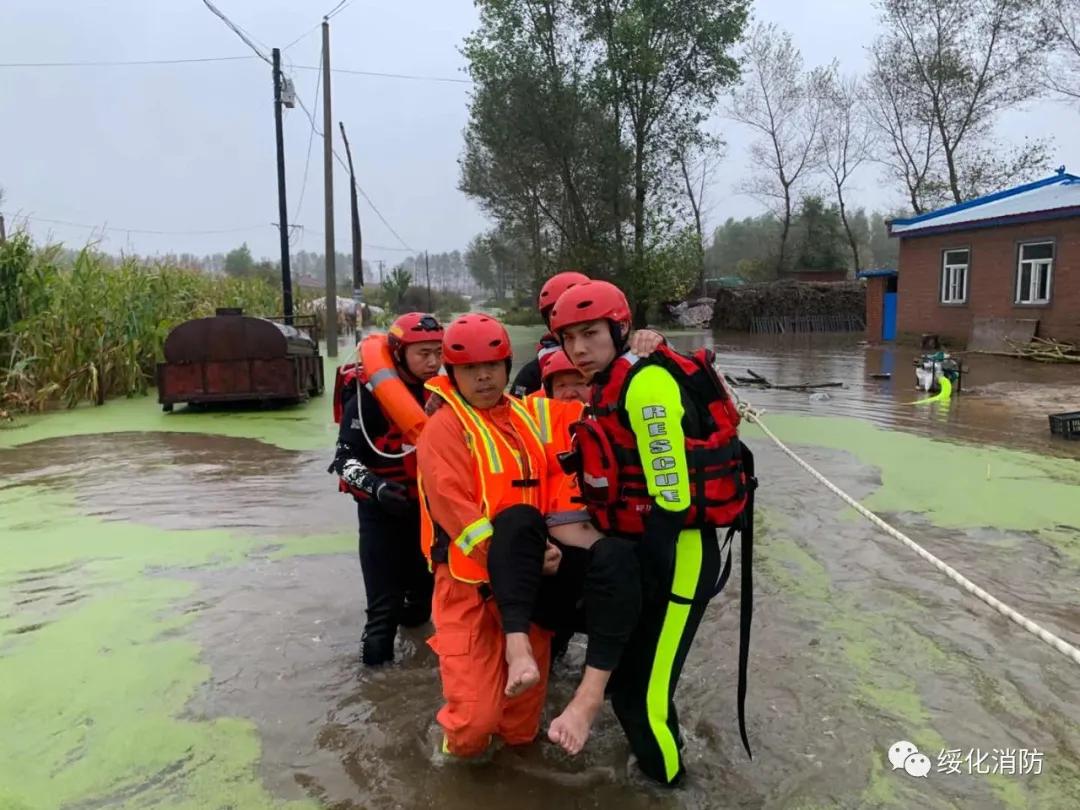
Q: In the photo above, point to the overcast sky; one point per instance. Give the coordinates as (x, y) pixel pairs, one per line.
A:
(190, 147)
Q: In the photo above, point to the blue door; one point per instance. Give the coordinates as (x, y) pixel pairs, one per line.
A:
(888, 321)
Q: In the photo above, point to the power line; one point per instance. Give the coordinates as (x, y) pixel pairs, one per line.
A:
(105, 226)
(359, 188)
(311, 140)
(122, 63)
(303, 36)
(236, 29)
(336, 9)
(377, 75)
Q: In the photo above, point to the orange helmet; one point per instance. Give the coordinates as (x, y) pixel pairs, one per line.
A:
(556, 286)
(475, 338)
(555, 363)
(589, 301)
(413, 327)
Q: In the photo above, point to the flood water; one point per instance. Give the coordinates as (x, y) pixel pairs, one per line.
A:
(857, 642)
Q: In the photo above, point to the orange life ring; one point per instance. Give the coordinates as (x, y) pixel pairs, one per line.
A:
(393, 396)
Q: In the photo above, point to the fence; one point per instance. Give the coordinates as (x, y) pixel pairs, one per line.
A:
(788, 324)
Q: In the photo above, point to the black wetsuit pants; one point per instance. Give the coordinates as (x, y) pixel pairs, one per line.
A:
(397, 582)
(642, 688)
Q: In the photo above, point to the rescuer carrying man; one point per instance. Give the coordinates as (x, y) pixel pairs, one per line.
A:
(659, 461)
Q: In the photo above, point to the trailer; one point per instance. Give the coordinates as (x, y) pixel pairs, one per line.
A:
(233, 357)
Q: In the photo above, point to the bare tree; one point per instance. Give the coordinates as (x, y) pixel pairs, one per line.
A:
(907, 147)
(957, 65)
(846, 138)
(695, 160)
(782, 104)
(1064, 75)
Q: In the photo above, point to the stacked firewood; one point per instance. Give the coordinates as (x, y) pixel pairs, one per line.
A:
(1045, 350)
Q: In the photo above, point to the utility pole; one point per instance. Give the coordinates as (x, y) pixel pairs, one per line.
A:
(283, 216)
(357, 241)
(3, 233)
(328, 196)
(381, 265)
(427, 275)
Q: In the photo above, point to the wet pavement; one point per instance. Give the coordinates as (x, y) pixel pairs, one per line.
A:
(180, 612)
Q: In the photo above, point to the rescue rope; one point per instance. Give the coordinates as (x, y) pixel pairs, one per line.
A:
(1059, 644)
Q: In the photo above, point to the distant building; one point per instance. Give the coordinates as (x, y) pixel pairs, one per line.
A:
(1011, 259)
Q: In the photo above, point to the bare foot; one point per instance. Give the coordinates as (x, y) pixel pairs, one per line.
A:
(522, 673)
(571, 729)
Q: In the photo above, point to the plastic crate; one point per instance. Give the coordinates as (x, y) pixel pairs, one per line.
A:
(1065, 424)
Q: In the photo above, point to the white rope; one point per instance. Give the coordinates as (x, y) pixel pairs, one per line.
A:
(1059, 644)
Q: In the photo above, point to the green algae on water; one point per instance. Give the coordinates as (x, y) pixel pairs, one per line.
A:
(94, 695)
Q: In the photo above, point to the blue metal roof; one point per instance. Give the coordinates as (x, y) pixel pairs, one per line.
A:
(1050, 197)
(880, 272)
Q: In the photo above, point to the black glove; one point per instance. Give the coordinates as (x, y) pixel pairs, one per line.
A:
(392, 496)
(658, 552)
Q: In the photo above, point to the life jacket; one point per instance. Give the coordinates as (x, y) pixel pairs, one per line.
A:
(404, 415)
(608, 465)
(503, 477)
(555, 419)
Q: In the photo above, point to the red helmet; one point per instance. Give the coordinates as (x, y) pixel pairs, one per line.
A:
(556, 286)
(413, 327)
(555, 363)
(475, 338)
(590, 301)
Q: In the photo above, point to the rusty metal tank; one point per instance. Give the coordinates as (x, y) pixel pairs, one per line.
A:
(233, 357)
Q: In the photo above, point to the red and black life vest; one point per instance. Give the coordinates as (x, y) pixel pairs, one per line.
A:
(608, 465)
(350, 378)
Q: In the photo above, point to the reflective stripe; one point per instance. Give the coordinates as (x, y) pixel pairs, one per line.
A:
(381, 376)
(526, 417)
(475, 533)
(543, 417)
(658, 691)
(494, 462)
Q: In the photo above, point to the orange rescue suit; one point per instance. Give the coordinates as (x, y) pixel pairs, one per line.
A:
(504, 472)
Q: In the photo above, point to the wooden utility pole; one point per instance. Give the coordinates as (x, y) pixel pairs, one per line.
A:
(3, 233)
(357, 241)
(328, 196)
(283, 216)
(427, 276)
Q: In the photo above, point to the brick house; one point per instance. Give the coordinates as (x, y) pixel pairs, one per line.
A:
(1010, 258)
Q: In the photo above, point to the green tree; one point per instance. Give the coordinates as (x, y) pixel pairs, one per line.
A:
(579, 116)
(478, 260)
(884, 248)
(239, 262)
(820, 235)
(396, 285)
(661, 65)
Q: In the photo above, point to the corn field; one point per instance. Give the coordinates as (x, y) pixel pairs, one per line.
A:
(95, 329)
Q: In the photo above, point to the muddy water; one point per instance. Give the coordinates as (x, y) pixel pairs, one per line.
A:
(179, 624)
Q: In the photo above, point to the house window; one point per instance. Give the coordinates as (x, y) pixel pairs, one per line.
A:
(1033, 274)
(954, 277)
